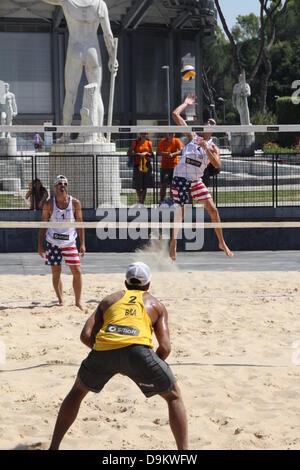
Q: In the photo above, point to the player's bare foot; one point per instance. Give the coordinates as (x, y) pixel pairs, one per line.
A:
(226, 250)
(79, 305)
(173, 250)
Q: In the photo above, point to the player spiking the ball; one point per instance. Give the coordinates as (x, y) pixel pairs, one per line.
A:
(198, 152)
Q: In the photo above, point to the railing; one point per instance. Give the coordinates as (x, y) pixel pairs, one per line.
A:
(270, 181)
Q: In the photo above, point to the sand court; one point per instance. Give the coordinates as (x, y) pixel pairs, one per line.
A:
(232, 336)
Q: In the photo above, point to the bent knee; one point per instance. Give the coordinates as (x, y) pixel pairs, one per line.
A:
(173, 394)
(211, 207)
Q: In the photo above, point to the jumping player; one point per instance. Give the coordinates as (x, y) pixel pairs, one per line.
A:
(198, 152)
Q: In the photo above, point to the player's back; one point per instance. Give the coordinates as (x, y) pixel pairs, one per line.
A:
(125, 322)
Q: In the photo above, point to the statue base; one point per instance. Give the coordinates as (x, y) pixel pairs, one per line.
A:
(85, 148)
(242, 144)
(8, 146)
(83, 175)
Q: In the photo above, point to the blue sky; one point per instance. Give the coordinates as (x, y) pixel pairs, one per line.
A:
(232, 8)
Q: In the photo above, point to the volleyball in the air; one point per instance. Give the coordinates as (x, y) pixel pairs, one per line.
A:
(188, 72)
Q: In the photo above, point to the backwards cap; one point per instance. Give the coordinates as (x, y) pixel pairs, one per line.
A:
(211, 121)
(138, 274)
(60, 178)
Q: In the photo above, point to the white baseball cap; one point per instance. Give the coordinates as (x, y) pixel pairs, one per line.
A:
(60, 178)
(138, 274)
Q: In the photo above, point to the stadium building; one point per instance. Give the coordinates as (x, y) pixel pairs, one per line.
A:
(152, 34)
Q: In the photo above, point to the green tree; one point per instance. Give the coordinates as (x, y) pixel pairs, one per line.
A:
(285, 55)
(262, 40)
(246, 27)
(218, 73)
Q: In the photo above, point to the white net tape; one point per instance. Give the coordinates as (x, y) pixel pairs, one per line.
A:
(153, 129)
(149, 225)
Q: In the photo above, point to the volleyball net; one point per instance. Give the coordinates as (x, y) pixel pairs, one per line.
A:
(260, 165)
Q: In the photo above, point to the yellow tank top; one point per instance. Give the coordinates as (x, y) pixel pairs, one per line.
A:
(125, 322)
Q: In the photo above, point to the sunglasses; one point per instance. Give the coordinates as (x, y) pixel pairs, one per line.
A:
(62, 184)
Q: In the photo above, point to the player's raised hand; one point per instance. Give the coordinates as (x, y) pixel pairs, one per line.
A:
(190, 100)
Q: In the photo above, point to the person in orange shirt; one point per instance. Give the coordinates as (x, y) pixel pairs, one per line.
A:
(141, 150)
(169, 149)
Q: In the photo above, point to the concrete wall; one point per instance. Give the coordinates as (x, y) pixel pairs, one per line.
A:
(25, 240)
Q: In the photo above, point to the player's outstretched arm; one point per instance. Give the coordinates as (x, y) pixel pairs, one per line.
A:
(190, 100)
(92, 326)
(161, 331)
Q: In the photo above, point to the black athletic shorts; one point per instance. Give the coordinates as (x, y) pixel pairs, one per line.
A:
(140, 363)
(142, 180)
(166, 175)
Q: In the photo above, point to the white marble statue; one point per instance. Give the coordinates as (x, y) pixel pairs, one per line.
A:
(83, 18)
(89, 111)
(8, 109)
(240, 94)
(242, 143)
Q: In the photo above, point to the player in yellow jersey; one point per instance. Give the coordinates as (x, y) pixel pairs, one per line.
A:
(119, 333)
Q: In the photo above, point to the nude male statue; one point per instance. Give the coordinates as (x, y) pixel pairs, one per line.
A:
(83, 18)
(10, 108)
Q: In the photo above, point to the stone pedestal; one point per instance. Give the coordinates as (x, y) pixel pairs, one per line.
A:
(11, 185)
(109, 181)
(242, 144)
(92, 169)
(8, 146)
(89, 162)
(83, 148)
